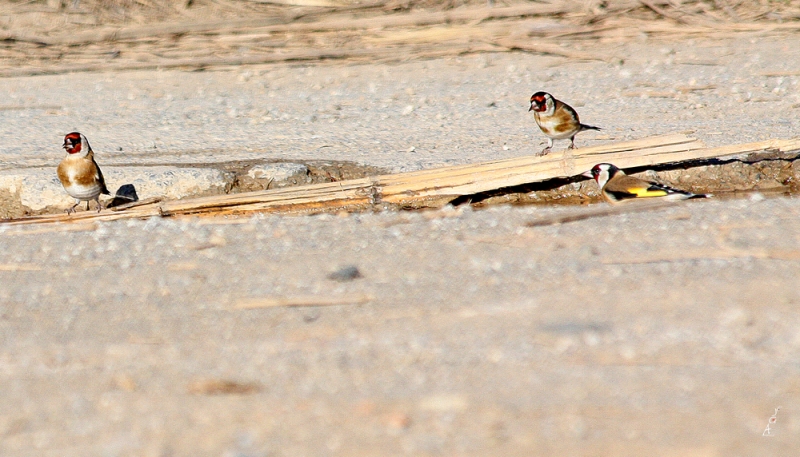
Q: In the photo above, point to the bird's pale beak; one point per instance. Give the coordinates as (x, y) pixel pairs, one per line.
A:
(531, 108)
(588, 174)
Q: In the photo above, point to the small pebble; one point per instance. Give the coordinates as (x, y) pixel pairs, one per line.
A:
(347, 273)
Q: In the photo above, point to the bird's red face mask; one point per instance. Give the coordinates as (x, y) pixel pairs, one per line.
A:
(72, 143)
(538, 103)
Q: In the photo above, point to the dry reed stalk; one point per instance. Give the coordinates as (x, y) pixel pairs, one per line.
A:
(301, 301)
(707, 254)
(19, 267)
(289, 24)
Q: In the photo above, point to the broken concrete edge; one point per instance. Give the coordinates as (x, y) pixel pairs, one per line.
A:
(768, 172)
(38, 191)
(725, 174)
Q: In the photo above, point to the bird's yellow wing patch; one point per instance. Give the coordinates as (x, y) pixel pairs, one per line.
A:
(647, 192)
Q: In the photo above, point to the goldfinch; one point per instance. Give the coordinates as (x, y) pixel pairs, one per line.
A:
(556, 119)
(79, 173)
(618, 187)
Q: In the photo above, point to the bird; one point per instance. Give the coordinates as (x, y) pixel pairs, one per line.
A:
(618, 187)
(556, 119)
(79, 173)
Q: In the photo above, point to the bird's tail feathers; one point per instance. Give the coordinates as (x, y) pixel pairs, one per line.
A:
(701, 196)
(683, 194)
(589, 127)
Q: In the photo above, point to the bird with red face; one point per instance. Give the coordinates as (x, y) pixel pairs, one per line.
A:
(617, 187)
(556, 119)
(79, 173)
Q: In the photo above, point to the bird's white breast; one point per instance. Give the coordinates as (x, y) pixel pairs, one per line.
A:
(81, 192)
(79, 178)
(549, 125)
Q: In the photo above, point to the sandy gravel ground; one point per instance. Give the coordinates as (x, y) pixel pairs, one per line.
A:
(667, 333)
(670, 332)
(406, 116)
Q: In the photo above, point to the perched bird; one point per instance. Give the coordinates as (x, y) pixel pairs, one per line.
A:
(556, 119)
(618, 187)
(79, 173)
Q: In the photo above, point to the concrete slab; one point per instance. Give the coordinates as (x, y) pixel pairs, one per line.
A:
(37, 189)
(277, 173)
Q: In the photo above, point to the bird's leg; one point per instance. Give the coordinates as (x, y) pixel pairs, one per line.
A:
(549, 147)
(87, 205)
(571, 143)
(71, 209)
(99, 206)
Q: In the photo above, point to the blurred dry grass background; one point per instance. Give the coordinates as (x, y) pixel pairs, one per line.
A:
(57, 36)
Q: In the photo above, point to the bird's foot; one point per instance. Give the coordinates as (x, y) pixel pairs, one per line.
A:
(544, 152)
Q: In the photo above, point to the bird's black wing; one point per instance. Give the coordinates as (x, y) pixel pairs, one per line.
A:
(103, 188)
